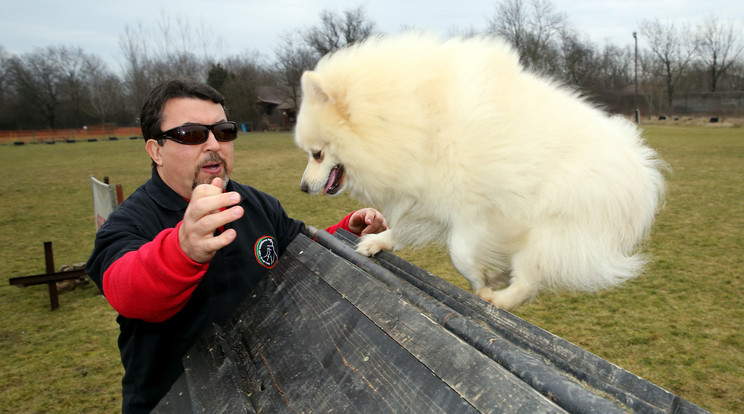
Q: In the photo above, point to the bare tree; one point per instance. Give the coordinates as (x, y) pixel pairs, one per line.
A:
(652, 82)
(511, 22)
(36, 78)
(152, 55)
(245, 73)
(4, 56)
(7, 95)
(293, 58)
(52, 87)
(673, 48)
(615, 67)
(176, 35)
(104, 92)
(579, 66)
(719, 46)
(734, 80)
(136, 67)
(76, 70)
(3, 72)
(612, 76)
(338, 30)
(534, 28)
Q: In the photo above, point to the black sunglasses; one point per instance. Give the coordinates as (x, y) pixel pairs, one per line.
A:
(194, 134)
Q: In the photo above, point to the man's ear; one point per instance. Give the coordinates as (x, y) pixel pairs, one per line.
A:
(153, 148)
(313, 87)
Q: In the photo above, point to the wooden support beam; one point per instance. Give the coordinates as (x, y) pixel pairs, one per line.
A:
(49, 260)
(50, 277)
(42, 278)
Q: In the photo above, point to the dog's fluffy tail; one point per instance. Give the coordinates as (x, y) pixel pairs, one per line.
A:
(565, 257)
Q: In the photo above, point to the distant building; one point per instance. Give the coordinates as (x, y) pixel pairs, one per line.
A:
(278, 108)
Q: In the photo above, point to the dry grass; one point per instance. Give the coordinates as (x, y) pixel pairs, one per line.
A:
(678, 325)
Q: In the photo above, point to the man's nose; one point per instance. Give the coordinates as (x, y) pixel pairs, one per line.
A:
(212, 141)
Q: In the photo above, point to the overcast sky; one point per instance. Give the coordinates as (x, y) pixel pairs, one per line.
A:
(242, 25)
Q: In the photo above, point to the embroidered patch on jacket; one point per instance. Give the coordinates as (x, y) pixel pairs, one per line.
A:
(266, 253)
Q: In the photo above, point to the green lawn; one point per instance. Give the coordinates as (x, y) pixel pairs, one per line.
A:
(678, 325)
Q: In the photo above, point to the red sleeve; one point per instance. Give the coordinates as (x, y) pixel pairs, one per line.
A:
(154, 282)
(343, 224)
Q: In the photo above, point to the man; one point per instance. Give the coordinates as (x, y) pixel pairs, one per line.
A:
(184, 250)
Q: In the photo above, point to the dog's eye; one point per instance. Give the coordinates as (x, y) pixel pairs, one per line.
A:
(318, 155)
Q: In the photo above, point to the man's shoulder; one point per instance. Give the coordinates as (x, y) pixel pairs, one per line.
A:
(140, 198)
(145, 202)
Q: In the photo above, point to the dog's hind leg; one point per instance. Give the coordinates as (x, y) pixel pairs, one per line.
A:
(466, 261)
(510, 298)
(479, 256)
(525, 283)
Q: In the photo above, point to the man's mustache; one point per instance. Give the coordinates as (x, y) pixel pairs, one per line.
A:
(212, 158)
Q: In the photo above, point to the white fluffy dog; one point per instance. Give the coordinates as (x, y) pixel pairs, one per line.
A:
(526, 183)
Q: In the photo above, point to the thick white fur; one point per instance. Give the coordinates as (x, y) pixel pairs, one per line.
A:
(526, 183)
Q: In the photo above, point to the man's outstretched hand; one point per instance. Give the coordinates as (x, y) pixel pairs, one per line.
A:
(203, 216)
(367, 221)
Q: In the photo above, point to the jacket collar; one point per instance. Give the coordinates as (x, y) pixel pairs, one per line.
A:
(165, 196)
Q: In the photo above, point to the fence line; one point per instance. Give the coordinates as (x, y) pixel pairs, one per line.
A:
(77, 134)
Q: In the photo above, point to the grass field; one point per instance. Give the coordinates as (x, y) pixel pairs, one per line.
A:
(678, 325)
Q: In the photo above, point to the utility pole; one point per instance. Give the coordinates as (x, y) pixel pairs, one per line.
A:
(635, 95)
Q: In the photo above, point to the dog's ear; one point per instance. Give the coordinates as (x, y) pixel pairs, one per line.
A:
(312, 87)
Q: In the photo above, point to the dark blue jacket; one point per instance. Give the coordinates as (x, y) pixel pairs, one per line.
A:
(151, 352)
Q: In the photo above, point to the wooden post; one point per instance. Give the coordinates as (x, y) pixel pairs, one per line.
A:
(119, 194)
(49, 260)
(119, 190)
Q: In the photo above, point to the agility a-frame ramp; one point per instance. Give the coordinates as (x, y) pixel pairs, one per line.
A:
(330, 331)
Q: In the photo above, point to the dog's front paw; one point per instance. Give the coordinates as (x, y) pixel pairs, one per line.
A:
(371, 244)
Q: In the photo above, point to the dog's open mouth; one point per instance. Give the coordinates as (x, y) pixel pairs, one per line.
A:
(335, 179)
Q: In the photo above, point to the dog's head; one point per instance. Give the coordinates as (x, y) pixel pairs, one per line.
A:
(317, 133)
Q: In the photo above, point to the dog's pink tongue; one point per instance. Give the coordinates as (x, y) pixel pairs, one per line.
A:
(331, 180)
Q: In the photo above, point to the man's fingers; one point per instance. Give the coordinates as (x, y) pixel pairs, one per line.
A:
(202, 207)
(203, 217)
(204, 190)
(217, 242)
(375, 222)
(367, 221)
(211, 222)
(217, 182)
(217, 220)
(197, 239)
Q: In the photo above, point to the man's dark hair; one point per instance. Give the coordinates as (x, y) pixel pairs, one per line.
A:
(151, 116)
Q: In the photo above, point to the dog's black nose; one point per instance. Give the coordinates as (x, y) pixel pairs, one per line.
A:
(304, 187)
